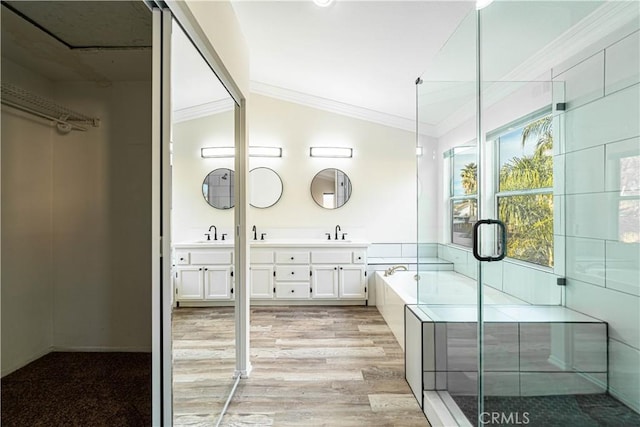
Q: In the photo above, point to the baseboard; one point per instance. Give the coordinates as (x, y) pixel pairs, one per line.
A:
(28, 360)
(100, 349)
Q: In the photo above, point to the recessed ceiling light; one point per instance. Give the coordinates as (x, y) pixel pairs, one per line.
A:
(323, 3)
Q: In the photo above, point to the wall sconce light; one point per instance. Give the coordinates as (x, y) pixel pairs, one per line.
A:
(331, 152)
(217, 152)
(208, 152)
(265, 151)
(418, 151)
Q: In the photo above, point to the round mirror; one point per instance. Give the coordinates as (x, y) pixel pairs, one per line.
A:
(217, 188)
(265, 187)
(331, 188)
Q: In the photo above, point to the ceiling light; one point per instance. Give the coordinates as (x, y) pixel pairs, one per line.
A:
(218, 152)
(323, 3)
(481, 4)
(208, 152)
(331, 152)
(265, 151)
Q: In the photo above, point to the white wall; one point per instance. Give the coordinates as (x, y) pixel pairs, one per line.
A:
(382, 207)
(27, 234)
(76, 223)
(102, 222)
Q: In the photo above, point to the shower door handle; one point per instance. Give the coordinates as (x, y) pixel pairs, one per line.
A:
(503, 240)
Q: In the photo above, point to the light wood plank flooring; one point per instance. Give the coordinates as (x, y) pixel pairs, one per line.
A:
(312, 366)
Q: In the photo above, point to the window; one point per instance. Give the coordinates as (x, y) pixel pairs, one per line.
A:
(464, 200)
(525, 190)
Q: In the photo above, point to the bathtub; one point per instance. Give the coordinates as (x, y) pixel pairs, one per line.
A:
(439, 288)
(392, 293)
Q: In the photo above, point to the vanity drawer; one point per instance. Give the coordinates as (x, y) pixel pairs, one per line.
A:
(359, 257)
(290, 257)
(182, 258)
(261, 257)
(293, 290)
(323, 257)
(292, 273)
(205, 257)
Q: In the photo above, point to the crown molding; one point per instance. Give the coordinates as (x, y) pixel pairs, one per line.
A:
(202, 110)
(337, 107)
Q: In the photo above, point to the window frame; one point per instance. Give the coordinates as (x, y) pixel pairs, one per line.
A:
(493, 137)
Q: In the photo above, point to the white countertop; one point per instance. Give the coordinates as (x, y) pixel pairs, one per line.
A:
(275, 243)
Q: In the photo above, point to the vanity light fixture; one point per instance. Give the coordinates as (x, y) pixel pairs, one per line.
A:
(217, 152)
(265, 151)
(231, 151)
(331, 152)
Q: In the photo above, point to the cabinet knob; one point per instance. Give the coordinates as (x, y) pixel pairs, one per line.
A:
(359, 257)
(335, 268)
(291, 258)
(293, 272)
(181, 259)
(292, 291)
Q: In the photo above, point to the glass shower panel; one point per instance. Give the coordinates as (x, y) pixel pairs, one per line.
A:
(544, 174)
(447, 290)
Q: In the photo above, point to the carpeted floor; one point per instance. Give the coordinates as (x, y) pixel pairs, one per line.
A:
(583, 410)
(79, 389)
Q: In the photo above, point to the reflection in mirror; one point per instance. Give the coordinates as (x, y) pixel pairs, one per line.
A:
(331, 188)
(217, 188)
(265, 187)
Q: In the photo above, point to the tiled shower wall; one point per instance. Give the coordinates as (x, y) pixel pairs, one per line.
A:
(600, 153)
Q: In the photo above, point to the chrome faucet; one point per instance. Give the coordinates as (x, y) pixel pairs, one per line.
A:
(255, 232)
(337, 228)
(215, 233)
(389, 271)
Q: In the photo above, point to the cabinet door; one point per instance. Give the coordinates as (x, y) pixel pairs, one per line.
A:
(217, 283)
(261, 277)
(324, 281)
(189, 283)
(352, 283)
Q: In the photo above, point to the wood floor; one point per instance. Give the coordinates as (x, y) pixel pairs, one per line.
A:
(312, 366)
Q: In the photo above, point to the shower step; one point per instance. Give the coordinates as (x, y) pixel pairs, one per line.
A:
(529, 350)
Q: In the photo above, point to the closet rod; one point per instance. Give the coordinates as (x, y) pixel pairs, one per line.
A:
(39, 114)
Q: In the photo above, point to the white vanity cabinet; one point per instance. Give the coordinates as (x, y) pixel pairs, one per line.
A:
(262, 274)
(292, 274)
(339, 273)
(203, 274)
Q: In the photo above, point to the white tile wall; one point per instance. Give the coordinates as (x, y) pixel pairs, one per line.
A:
(587, 215)
(619, 309)
(585, 171)
(609, 119)
(623, 63)
(615, 153)
(541, 384)
(585, 260)
(624, 376)
(531, 285)
(493, 274)
(583, 83)
(384, 250)
(623, 267)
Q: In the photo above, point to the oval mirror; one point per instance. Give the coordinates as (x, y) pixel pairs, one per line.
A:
(217, 188)
(331, 188)
(265, 187)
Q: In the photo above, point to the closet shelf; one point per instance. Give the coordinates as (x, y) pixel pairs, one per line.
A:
(26, 101)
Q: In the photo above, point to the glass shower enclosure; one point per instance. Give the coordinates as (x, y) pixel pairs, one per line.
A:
(533, 121)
